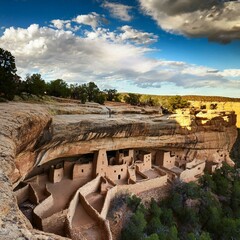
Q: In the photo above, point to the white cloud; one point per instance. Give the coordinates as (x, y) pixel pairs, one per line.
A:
(214, 19)
(124, 34)
(230, 73)
(105, 59)
(92, 19)
(137, 36)
(118, 10)
(59, 24)
(63, 24)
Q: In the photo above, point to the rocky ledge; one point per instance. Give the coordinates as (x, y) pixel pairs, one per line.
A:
(33, 135)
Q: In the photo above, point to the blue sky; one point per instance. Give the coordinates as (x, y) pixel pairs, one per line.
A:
(147, 46)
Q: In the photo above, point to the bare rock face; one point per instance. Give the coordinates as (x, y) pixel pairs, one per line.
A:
(21, 125)
(31, 136)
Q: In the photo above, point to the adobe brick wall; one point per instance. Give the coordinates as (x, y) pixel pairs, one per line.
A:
(56, 175)
(22, 194)
(80, 196)
(33, 197)
(90, 187)
(117, 172)
(55, 223)
(143, 185)
(71, 209)
(168, 160)
(42, 209)
(100, 163)
(82, 170)
(190, 174)
(103, 223)
(111, 193)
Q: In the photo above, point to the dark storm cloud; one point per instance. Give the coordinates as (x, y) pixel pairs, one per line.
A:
(217, 20)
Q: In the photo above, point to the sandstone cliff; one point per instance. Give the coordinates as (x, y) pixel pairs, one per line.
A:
(31, 136)
(221, 106)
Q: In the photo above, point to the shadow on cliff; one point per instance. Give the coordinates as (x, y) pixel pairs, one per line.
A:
(235, 152)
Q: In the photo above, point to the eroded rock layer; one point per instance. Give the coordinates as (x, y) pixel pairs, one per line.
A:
(32, 137)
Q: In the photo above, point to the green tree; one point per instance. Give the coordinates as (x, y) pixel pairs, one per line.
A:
(9, 80)
(205, 236)
(134, 230)
(154, 225)
(222, 184)
(207, 182)
(92, 91)
(58, 88)
(112, 95)
(176, 102)
(154, 209)
(132, 98)
(167, 217)
(133, 202)
(34, 84)
(79, 92)
(229, 229)
(235, 199)
(173, 233)
(214, 219)
(191, 236)
(176, 203)
(153, 236)
(100, 98)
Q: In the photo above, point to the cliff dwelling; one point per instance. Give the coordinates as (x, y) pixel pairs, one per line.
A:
(63, 171)
(71, 197)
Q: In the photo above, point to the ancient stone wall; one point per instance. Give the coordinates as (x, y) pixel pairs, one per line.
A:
(71, 210)
(117, 172)
(82, 170)
(143, 185)
(103, 223)
(111, 194)
(22, 194)
(90, 187)
(56, 174)
(191, 174)
(55, 223)
(33, 197)
(42, 209)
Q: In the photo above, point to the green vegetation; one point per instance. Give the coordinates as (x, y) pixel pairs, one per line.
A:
(34, 84)
(58, 88)
(87, 93)
(133, 99)
(112, 95)
(176, 102)
(9, 80)
(168, 103)
(204, 211)
(210, 98)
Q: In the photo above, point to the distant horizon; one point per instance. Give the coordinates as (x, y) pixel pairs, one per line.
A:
(156, 47)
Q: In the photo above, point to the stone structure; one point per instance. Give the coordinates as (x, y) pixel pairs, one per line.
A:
(105, 175)
(123, 153)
